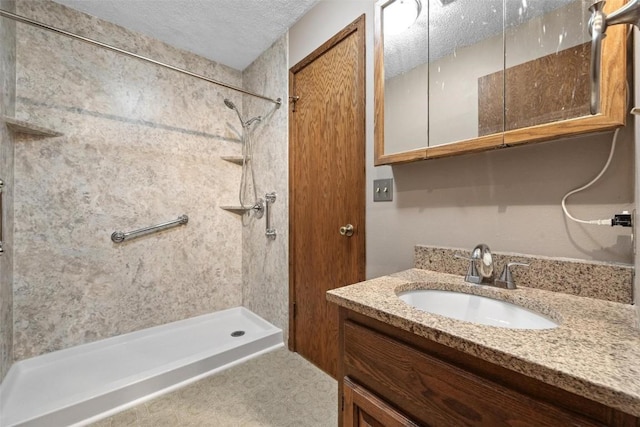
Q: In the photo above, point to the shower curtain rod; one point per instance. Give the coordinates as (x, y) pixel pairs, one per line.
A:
(28, 21)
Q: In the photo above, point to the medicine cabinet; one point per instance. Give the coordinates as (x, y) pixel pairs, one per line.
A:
(459, 76)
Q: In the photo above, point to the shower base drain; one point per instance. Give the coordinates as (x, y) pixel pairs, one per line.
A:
(237, 333)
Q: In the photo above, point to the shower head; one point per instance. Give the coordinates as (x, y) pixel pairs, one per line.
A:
(232, 106)
(244, 124)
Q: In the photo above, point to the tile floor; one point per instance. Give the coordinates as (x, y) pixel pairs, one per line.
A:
(277, 389)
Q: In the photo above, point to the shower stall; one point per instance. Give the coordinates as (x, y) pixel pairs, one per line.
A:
(127, 144)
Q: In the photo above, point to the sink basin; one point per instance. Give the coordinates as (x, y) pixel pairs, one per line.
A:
(476, 309)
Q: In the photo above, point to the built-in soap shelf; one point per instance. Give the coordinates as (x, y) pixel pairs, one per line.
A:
(235, 209)
(24, 127)
(233, 159)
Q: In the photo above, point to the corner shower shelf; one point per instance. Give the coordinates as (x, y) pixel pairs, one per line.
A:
(21, 126)
(240, 210)
(233, 159)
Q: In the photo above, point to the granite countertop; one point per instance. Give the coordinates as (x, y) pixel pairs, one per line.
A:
(594, 352)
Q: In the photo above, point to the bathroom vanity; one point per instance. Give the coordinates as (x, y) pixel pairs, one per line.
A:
(400, 366)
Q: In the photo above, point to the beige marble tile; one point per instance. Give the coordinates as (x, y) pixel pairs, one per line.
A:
(265, 263)
(7, 107)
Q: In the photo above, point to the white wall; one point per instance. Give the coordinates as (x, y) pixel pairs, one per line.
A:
(509, 199)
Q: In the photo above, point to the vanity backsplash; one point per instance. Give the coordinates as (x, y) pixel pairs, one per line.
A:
(610, 282)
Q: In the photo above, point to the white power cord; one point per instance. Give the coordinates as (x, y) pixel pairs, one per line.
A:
(589, 184)
(607, 221)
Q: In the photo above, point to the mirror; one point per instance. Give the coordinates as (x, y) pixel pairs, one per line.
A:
(469, 75)
(466, 44)
(406, 75)
(547, 58)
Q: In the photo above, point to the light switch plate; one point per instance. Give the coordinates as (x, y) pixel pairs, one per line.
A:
(383, 190)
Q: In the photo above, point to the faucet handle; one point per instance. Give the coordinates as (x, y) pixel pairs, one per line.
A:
(506, 279)
(472, 272)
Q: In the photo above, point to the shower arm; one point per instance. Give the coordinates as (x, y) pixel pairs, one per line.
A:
(29, 21)
(598, 23)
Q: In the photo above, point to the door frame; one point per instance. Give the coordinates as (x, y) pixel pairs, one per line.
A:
(358, 27)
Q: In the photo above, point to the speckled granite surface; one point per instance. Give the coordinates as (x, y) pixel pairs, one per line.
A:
(611, 282)
(595, 352)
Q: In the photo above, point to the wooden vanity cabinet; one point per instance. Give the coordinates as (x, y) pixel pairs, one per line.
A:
(391, 378)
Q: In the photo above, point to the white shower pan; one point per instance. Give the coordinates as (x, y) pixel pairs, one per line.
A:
(82, 384)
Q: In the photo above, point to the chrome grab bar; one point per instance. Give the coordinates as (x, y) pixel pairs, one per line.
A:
(598, 23)
(270, 199)
(119, 236)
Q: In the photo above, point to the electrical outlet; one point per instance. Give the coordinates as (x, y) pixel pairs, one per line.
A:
(383, 190)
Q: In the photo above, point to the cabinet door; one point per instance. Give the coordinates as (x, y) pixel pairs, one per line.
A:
(361, 408)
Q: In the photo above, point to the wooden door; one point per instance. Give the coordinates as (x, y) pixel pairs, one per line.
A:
(326, 189)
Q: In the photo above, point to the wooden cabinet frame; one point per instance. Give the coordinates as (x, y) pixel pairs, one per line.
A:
(613, 95)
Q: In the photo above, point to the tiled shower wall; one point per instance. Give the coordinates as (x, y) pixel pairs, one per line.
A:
(7, 99)
(636, 241)
(141, 146)
(265, 262)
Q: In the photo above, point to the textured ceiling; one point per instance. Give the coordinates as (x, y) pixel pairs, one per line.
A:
(456, 24)
(232, 32)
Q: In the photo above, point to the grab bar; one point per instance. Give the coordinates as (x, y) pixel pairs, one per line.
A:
(270, 199)
(119, 236)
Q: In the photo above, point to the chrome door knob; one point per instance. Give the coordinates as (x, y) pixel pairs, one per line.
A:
(347, 230)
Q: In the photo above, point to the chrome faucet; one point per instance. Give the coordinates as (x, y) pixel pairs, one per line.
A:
(480, 265)
(481, 269)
